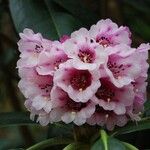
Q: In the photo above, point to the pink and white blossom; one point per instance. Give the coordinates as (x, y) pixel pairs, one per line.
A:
(31, 45)
(79, 84)
(49, 61)
(85, 53)
(123, 70)
(110, 97)
(68, 110)
(107, 118)
(107, 33)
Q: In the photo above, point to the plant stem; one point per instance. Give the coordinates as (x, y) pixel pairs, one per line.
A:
(104, 139)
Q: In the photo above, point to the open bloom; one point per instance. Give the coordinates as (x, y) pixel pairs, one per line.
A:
(68, 110)
(107, 33)
(49, 61)
(33, 84)
(36, 88)
(79, 84)
(122, 68)
(112, 98)
(107, 118)
(31, 45)
(85, 53)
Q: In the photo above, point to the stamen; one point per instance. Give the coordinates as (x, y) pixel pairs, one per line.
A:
(80, 79)
(73, 113)
(80, 90)
(119, 77)
(136, 90)
(56, 67)
(108, 100)
(140, 113)
(86, 55)
(103, 41)
(106, 116)
(45, 98)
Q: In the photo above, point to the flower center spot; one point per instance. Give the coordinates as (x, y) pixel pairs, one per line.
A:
(74, 106)
(80, 80)
(103, 41)
(86, 56)
(105, 92)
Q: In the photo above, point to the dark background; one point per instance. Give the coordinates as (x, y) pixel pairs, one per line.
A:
(14, 17)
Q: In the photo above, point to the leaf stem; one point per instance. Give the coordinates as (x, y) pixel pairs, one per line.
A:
(132, 127)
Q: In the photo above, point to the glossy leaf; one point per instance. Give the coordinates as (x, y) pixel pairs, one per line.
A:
(49, 142)
(147, 108)
(64, 23)
(98, 145)
(34, 15)
(113, 144)
(129, 146)
(78, 9)
(41, 16)
(133, 126)
(76, 146)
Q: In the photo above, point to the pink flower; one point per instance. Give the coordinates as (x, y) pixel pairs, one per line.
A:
(112, 98)
(49, 61)
(85, 53)
(33, 84)
(142, 50)
(67, 110)
(107, 118)
(64, 38)
(79, 84)
(123, 69)
(107, 33)
(140, 94)
(43, 119)
(31, 45)
(37, 88)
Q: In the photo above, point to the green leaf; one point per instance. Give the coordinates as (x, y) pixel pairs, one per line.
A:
(76, 146)
(113, 144)
(104, 139)
(140, 5)
(49, 142)
(129, 146)
(147, 105)
(64, 23)
(76, 8)
(147, 108)
(98, 145)
(132, 127)
(15, 118)
(4, 144)
(41, 16)
(144, 31)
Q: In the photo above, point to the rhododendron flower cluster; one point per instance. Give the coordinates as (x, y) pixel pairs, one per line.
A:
(92, 76)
